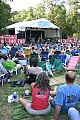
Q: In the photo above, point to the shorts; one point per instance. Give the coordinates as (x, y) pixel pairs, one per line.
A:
(37, 112)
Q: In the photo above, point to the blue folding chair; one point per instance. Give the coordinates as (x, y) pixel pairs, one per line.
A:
(63, 57)
(44, 56)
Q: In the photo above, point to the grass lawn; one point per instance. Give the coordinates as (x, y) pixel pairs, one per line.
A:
(7, 109)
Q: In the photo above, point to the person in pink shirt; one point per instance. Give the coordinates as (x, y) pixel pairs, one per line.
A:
(40, 96)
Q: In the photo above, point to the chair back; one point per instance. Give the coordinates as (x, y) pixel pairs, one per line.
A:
(8, 65)
(58, 64)
(12, 53)
(32, 56)
(52, 58)
(32, 78)
(27, 53)
(73, 62)
(63, 57)
(23, 62)
(42, 64)
(44, 55)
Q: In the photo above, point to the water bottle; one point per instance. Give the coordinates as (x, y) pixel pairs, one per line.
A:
(15, 95)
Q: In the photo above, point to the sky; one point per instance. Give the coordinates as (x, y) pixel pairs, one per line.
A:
(18, 5)
(23, 4)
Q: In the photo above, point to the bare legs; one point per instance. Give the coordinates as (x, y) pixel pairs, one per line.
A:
(24, 102)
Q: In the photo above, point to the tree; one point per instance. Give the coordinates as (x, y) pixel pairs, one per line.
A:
(18, 16)
(5, 14)
(39, 11)
(23, 15)
(56, 14)
(29, 14)
(73, 18)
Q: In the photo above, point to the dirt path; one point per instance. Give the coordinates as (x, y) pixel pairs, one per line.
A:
(57, 80)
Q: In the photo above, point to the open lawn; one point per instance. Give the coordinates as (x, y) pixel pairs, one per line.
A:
(14, 111)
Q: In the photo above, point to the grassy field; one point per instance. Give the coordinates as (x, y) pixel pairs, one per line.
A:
(7, 109)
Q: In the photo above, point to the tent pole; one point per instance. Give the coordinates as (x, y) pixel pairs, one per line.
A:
(30, 33)
(41, 34)
(25, 34)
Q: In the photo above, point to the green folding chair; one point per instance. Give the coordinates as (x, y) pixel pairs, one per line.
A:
(51, 59)
(42, 64)
(58, 64)
(32, 56)
(8, 65)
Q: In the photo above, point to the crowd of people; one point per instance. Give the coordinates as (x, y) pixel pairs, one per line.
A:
(64, 98)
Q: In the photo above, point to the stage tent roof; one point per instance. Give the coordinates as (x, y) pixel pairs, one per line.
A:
(39, 23)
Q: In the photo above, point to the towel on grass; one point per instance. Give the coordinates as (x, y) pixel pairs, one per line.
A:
(19, 113)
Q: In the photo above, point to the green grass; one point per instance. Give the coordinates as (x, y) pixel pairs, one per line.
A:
(7, 110)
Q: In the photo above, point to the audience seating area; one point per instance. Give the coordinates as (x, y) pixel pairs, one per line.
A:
(50, 56)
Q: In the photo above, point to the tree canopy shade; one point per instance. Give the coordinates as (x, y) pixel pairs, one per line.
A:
(4, 14)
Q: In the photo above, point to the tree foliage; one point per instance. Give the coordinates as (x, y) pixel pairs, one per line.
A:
(4, 14)
(39, 11)
(73, 18)
(53, 10)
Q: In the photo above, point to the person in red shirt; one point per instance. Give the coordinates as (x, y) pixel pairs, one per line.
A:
(40, 96)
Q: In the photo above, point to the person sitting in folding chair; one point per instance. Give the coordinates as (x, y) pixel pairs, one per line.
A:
(15, 66)
(3, 71)
(33, 71)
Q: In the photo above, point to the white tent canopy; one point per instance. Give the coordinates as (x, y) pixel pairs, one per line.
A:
(39, 23)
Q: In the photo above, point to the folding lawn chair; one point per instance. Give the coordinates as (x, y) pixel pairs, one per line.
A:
(30, 78)
(46, 67)
(2, 79)
(27, 53)
(8, 65)
(23, 62)
(58, 64)
(72, 64)
(32, 56)
(44, 56)
(42, 64)
(63, 57)
(51, 59)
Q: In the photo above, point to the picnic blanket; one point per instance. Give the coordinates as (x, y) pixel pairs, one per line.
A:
(19, 113)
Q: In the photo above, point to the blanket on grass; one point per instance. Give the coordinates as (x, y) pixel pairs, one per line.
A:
(19, 113)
